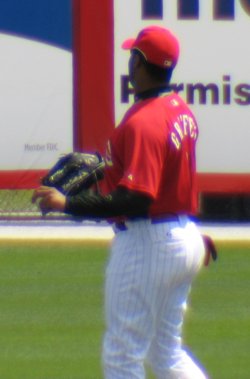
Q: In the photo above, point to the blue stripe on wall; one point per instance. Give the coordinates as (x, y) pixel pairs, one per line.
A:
(47, 21)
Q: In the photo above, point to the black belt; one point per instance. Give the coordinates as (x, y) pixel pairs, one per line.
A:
(167, 218)
(121, 226)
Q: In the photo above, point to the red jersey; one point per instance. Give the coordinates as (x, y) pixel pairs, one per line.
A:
(153, 151)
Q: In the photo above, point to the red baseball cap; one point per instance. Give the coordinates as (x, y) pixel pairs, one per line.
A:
(158, 46)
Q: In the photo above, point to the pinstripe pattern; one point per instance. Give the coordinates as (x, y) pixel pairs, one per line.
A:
(148, 279)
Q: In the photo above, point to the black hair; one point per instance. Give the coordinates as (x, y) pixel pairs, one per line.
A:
(157, 73)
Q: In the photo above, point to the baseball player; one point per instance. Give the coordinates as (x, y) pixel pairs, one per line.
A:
(149, 192)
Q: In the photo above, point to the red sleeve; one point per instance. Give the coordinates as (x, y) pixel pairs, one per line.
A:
(144, 154)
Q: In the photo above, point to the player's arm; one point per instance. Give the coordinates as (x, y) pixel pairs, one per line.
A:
(121, 202)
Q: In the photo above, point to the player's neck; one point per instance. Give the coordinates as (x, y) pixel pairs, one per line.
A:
(145, 83)
(152, 92)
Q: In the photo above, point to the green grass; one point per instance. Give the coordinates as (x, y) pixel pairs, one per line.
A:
(51, 312)
(218, 323)
(51, 318)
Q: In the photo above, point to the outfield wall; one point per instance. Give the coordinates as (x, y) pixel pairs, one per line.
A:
(53, 101)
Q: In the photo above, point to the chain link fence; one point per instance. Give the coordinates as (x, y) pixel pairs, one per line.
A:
(225, 207)
(16, 204)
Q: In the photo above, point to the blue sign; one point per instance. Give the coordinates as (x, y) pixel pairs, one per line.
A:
(48, 21)
(223, 9)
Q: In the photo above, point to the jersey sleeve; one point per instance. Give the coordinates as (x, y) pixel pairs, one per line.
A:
(143, 157)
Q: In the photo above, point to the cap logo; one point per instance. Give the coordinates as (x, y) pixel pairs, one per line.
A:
(167, 63)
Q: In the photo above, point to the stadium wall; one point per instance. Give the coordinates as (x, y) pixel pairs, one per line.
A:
(81, 101)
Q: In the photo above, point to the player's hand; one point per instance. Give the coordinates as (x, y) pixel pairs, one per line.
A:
(49, 199)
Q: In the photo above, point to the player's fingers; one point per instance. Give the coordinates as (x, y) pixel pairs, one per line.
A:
(49, 199)
(45, 205)
(40, 192)
(34, 196)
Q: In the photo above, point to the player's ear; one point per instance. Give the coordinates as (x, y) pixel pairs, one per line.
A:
(135, 60)
(135, 64)
(138, 60)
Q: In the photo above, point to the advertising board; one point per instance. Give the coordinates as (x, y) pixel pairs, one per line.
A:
(36, 117)
(39, 81)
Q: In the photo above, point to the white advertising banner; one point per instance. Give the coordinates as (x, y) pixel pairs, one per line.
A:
(212, 74)
(35, 103)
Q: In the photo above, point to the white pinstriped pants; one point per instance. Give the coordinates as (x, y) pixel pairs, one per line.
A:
(148, 280)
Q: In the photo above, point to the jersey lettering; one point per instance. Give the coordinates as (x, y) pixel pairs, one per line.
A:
(175, 141)
(183, 127)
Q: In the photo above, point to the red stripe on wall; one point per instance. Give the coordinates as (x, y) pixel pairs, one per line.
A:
(21, 179)
(207, 183)
(93, 73)
(224, 183)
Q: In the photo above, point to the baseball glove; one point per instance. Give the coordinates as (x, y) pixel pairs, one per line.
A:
(75, 172)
